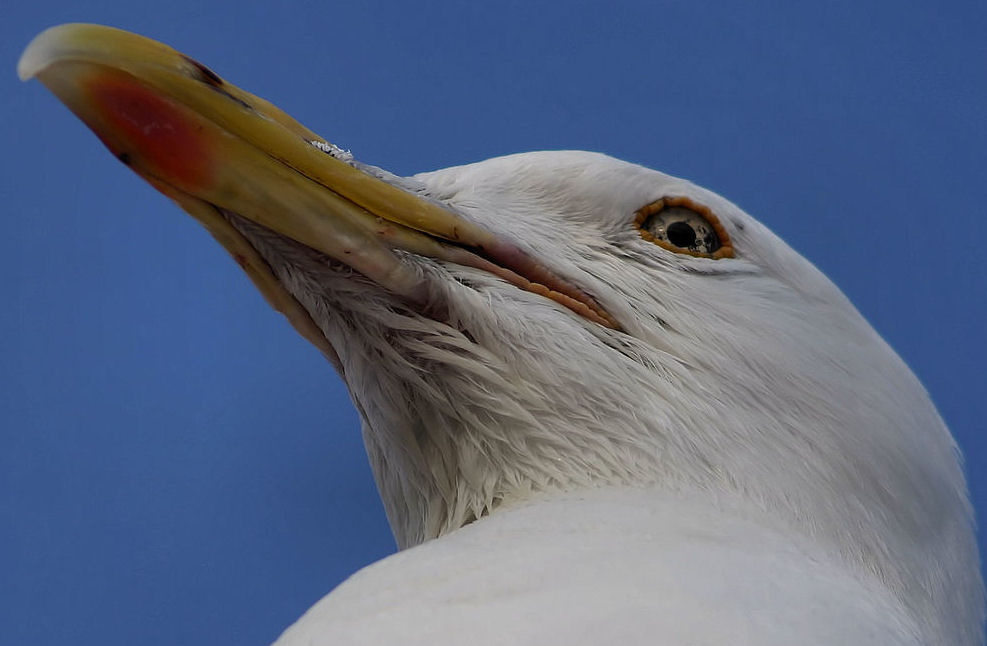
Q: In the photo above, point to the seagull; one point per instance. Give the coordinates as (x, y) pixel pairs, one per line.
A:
(602, 404)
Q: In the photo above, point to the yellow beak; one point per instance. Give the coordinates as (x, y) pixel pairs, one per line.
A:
(212, 147)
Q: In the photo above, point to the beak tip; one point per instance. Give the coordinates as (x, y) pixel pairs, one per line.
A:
(48, 47)
(39, 53)
(29, 63)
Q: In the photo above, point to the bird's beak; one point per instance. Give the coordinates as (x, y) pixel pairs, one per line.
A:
(212, 147)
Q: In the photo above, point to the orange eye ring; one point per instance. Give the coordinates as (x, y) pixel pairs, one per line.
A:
(642, 215)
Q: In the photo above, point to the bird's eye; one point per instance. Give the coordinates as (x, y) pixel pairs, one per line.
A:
(680, 225)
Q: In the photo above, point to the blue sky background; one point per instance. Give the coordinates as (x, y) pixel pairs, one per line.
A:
(177, 466)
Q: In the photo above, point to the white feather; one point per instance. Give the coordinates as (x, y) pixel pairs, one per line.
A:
(746, 462)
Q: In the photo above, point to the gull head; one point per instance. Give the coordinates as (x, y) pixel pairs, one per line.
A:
(549, 322)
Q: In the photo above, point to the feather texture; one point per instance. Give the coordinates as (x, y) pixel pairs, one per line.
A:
(745, 460)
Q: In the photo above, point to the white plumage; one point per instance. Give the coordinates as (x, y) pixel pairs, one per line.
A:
(629, 566)
(666, 449)
(747, 461)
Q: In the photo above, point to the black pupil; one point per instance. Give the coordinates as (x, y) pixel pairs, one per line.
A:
(681, 234)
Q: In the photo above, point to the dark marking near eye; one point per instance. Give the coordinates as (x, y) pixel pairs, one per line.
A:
(124, 158)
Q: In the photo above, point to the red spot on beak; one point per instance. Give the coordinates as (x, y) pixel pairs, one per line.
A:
(154, 134)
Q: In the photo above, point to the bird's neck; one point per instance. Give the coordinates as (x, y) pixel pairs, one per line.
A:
(683, 554)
